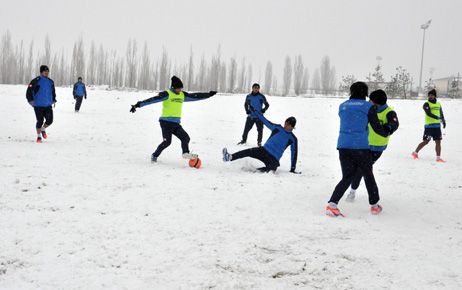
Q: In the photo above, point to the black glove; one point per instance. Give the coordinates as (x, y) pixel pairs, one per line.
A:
(252, 109)
(212, 93)
(263, 111)
(133, 109)
(387, 129)
(85, 97)
(444, 124)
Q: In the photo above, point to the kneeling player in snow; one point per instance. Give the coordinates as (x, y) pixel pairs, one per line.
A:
(377, 143)
(270, 154)
(41, 95)
(172, 102)
(434, 117)
(353, 146)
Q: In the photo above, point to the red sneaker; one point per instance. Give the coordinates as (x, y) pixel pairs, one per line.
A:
(415, 156)
(333, 212)
(39, 139)
(44, 135)
(439, 160)
(375, 210)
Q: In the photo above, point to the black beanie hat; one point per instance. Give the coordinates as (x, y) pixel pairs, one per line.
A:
(379, 97)
(44, 68)
(177, 83)
(292, 121)
(255, 85)
(432, 92)
(359, 90)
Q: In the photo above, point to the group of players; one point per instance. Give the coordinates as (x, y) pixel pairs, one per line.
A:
(365, 130)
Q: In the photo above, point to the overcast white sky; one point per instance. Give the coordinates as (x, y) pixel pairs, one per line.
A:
(353, 33)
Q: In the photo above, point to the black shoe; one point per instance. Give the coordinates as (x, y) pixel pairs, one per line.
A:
(153, 158)
(242, 142)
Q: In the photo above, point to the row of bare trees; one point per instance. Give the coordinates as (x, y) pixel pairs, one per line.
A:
(137, 69)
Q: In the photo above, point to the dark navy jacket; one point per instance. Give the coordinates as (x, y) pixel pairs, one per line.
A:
(255, 101)
(355, 115)
(41, 92)
(79, 90)
(279, 140)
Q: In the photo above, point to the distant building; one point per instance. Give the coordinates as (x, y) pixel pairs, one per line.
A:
(449, 86)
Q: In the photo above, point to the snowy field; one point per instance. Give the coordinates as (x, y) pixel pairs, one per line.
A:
(87, 210)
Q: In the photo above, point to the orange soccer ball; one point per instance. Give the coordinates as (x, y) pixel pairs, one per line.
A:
(196, 163)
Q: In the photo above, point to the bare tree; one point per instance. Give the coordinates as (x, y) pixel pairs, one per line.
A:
(268, 77)
(316, 81)
(190, 79)
(241, 85)
(132, 63)
(232, 75)
(327, 75)
(163, 73)
(346, 83)
(299, 69)
(78, 60)
(287, 76)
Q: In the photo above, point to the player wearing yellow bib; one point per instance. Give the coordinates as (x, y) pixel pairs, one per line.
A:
(434, 118)
(170, 120)
(377, 143)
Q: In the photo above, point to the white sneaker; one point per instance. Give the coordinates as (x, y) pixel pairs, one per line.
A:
(351, 196)
(190, 156)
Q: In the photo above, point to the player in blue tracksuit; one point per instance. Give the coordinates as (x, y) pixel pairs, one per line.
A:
(257, 101)
(378, 98)
(353, 146)
(270, 154)
(79, 92)
(41, 95)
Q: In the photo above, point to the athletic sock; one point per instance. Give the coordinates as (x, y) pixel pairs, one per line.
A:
(43, 129)
(375, 205)
(353, 191)
(332, 205)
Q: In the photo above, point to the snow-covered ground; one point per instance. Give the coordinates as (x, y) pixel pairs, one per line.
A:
(87, 210)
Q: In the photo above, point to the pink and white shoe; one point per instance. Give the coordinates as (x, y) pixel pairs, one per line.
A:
(333, 211)
(375, 210)
(415, 156)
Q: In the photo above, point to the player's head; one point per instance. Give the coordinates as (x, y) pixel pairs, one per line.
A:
(290, 123)
(177, 84)
(79, 79)
(44, 70)
(378, 97)
(432, 94)
(255, 88)
(358, 90)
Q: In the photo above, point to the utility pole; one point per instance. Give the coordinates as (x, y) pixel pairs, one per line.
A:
(424, 27)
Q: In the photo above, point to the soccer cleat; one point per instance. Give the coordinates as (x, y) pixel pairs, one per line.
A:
(333, 212)
(440, 160)
(351, 196)
(39, 140)
(226, 155)
(415, 156)
(242, 142)
(375, 210)
(153, 158)
(44, 135)
(190, 156)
